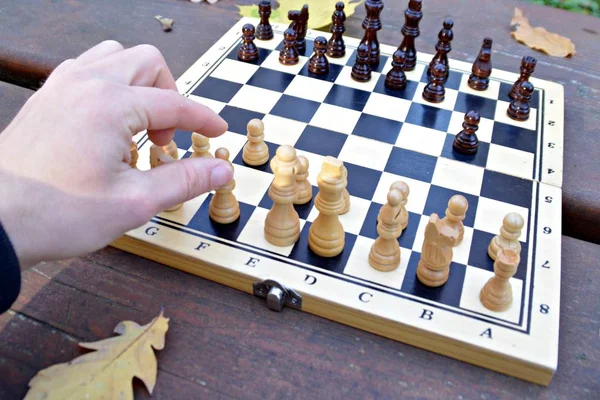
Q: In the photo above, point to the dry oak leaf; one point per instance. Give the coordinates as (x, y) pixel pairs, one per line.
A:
(108, 372)
(539, 38)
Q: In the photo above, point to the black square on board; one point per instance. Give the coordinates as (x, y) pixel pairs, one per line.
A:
(238, 118)
(408, 93)
(266, 167)
(411, 164)
(478, 253)
(505, 90)
(479, 158)
(303, 210)
(183, 139)
(448, 294)
(270, 79)
(347, 97)
(507, 189)
(203, 223)
(428, 116)
(514, 137)
(378, 128)
(362, 182)
(331, 75)
(217, 89)
(321, 141)
(295, 108)
(437, 202)
(466, 102)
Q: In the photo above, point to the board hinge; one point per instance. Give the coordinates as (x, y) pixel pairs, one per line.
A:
(277, 295)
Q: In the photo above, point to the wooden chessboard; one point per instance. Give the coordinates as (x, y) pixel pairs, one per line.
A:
(381, 136)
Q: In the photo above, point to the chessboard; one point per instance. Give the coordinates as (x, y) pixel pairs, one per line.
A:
(379, 137)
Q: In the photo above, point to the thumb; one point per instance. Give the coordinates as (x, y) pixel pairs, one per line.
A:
(182, 180)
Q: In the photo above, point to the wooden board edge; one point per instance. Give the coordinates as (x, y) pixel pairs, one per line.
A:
(380, 326)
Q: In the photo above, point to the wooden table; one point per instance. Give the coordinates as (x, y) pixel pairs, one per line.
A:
(223, 343)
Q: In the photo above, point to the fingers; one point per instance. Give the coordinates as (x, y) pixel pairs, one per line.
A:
(179, 181)
(164, 110)
(100, 51)
(161, 137)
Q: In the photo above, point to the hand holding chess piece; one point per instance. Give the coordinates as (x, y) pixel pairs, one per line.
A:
(224, 207)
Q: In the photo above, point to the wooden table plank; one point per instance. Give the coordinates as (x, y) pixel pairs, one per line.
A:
(38, 34)
(12, 98)
(223, 342)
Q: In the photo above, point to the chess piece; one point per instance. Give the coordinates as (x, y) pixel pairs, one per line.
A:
(282, 224)
(224, 207)
(318, 63)
(171, 150)
(410, 31)
(405, 191)
(300, 25)
(326, 235)
(510, 231)
(248, 50)
(264, 31)
(336, 48)
(434, 91)
(134, 155)
(455, 215)
(255, 150)
(288, 54)
(282, 160)
(436, 254)
(396, 78)
(385, 251)
(345, 194)
(201, 146)
(482, 67)
(466, 141)
(371, 24)
(361, 71)
(443, 47)
(519, 109)
(496, 294)
(528, 64)
(304, 186)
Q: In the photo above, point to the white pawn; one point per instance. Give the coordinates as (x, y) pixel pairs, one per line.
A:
(304, 186)
(455, 214)
(201, 146)
(255, 150)
(224, 207)
(134, 155)
(496, 294)
(510, 231)
(405, 191)
(385, 251)
(345, 194)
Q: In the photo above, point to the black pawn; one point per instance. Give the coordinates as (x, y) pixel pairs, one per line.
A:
(434, 91)
(248, 50)
(466, 141)
(264, 31)
(361, 71)
(519, 108)
(396, 78)
(289, 53)
(336, 47)
(318, 63)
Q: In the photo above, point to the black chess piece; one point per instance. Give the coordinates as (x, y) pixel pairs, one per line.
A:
(435, 91)
(264, 31)
(519, 108)
(410, 31)
(371, 24)
(482, 67)
(361, 71)
(528, 64)
(443, 47)
(248, 50)
(299, 24)
(289, 53)
(396, 78)
(336, 47)
(318, 63)
(466, 142)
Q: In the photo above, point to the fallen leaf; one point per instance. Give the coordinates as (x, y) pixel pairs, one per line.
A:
(166, 23)
(108, 372)
(320, 11)
(539, 38)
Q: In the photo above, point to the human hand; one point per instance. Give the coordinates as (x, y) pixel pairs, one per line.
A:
(67, 187)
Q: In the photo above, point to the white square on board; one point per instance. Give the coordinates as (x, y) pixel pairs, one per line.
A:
(484, 133)
(388, 107)
(510, 161)
(272, 62)
(234, 71)
(492, 92)
(414, 75)
(365, 152)
(502, 116)
(418, 191)
(255, 99)
(449, 98)
(233, 142)
(421, 139)
(281, 130)
(335, 118)
(309, 88)
(458, 176)
(251, 184)
(345, 79)
(214, 105)
(354, 219)
(490, 213)
(186, 212)
(270, 44)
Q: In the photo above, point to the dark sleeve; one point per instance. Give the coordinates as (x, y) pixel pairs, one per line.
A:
(10, 272)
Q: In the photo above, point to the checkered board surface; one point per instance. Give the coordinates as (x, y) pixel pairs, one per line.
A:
(383, 136)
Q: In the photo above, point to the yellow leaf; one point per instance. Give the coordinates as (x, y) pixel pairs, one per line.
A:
(108, 372)
(539, 38)
(320, 11)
